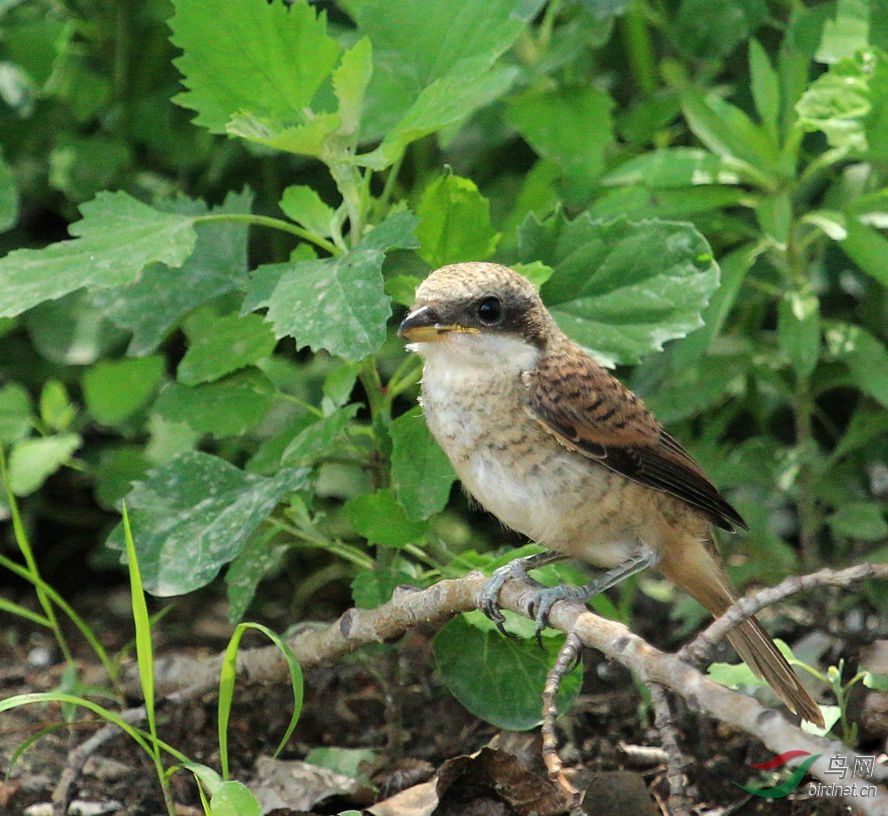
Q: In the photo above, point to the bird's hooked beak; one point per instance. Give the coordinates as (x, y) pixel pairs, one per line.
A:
(423, 325)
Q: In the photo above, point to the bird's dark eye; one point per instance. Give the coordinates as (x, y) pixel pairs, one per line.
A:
(490, 310)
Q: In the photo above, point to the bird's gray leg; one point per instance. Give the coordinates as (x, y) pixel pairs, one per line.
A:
(546, 597)
(514, 570)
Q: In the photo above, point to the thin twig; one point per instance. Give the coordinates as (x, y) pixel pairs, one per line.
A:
(698, 652)
(676, 762)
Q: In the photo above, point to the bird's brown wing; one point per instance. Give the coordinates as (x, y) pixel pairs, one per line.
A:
(591, 412)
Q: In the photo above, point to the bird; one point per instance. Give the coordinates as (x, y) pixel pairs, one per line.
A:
(559, 450)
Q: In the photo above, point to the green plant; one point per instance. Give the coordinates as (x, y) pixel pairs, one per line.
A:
(254, 407)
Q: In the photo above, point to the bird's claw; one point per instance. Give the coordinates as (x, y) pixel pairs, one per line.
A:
(489, 602)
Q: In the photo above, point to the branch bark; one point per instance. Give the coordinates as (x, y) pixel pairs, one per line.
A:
(184, 678)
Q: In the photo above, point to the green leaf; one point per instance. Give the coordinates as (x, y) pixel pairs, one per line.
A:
(865, 356)
(421, 472)
(837, 103)
(676, 167)
(243, 57)
(454, 222)
(56, 409)
(350, 81)
(765, 86)
(867, 248)
(864, 521)
(116, 389)
(33, 461)
(258, 558)
(798, 330)
(9, 197)
(230, 343)
(152, 306)
(114, 240)
(318, 438)
(306, 207)
(496, 678)
(621, 289)
(234, 798)
(380, 519)
(726, 130)
(226, 407)
(443, 103)
(16, 418)
(704, 31)
(310, 139)
(417, 45)
(372, 588)
(877, 682)
(345, 761)
(570, 126)
(118, 468)
(195, 514)
(848, 33)
(338, 304)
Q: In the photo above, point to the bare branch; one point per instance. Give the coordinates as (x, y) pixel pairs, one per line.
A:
(698, 652)
(182, 679)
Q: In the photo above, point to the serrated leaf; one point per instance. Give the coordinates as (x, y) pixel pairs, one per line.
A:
(338, 304)
(621, 289)
(306, 207)
(232, 342)
(444, 102)
(116, 238)
(421, 472)
(496, 678)
(798, 330)
(152, 306)
(416, 45)
(310, 139)
(242, 57)
(226, 407)
(380, 519)
(33, 461)
(864, 521)
(350, 81)
(195, 514)
(454, 222)
(115, 389)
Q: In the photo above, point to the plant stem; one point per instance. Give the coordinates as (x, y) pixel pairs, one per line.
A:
(274, 223)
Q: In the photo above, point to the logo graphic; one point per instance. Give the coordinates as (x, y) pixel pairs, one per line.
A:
(787, 787)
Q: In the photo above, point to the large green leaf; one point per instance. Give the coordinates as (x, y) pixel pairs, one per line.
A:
(32, 461)
(417, 43)
(421, 472)
(194, 514)
(497, 678)
(338, 304)
(116, 238)
(155, 303)
(223, 346)
(454, 222)
(242, 56)
(622, 289)
(115, 389)
(226, 407)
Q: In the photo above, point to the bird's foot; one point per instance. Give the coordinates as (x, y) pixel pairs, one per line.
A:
(516, 570)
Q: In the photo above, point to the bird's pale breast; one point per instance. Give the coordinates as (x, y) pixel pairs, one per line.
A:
(520, 473)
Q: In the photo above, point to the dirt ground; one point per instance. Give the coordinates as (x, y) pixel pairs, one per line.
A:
(385, 699)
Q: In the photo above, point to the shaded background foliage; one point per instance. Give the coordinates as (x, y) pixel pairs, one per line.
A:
(215, 342)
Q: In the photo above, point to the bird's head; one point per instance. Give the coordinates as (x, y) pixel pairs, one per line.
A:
(479, 310)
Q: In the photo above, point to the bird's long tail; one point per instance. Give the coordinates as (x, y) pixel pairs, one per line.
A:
(696, 571)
